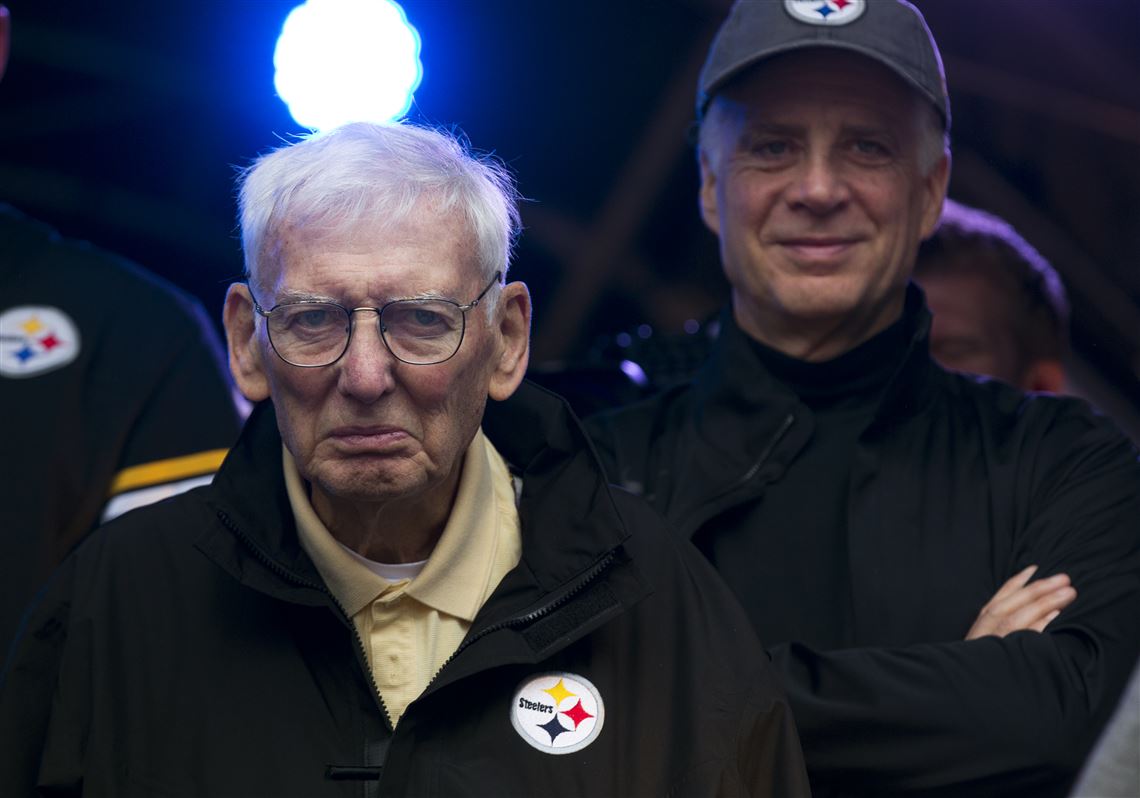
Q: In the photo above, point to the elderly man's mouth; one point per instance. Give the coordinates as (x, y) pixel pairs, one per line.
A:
(368, 439)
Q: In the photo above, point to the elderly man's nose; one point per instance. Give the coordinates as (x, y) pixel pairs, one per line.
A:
(366, 368)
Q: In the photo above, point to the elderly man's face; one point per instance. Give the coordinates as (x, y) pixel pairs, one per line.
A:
(370, 428)
(816, 186)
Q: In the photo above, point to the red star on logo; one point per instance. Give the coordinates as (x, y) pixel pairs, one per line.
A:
(577, 714)
(50, 342)
(841, 4)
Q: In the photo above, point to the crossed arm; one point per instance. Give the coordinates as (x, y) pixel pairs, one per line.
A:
(885, 720)
(995, 713)
(1023, 605)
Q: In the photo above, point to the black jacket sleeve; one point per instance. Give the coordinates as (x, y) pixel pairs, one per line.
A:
(1012, 714)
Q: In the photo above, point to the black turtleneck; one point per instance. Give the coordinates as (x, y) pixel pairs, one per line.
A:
(785, 555)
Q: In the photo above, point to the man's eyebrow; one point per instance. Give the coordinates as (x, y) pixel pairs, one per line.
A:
(291, 296)
(768, 121)
(753, 127)
(871, 129)
(422, 296)
(757, 129)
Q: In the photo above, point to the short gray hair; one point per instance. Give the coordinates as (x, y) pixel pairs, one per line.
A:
(364, 174)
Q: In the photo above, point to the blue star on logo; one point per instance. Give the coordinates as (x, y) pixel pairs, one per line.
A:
(553, 728)
(824, 10)
(24, 354)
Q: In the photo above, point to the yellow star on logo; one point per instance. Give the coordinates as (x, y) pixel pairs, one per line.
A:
(32, 326)
(558, 692)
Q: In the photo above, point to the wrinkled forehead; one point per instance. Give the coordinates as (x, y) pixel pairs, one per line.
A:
(424, 233)
(820, 78)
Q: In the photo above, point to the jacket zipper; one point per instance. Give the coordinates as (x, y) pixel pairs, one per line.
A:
(530, 617)
(280, 570)
(690, 529)
(764, 455)
(362, 656)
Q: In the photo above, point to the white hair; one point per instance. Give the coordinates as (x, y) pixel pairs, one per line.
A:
(375, 175)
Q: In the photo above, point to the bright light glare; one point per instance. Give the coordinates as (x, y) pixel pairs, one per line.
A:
(343, 61)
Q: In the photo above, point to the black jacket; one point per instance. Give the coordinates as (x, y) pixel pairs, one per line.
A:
(191, 648)
(147, 390)
(956, 485)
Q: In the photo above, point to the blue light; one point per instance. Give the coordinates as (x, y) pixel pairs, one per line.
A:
(343, 61)
(635, 373)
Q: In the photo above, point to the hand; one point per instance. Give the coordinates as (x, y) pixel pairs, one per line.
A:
(1023, 605)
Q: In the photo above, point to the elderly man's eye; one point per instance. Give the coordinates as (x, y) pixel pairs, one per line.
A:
(314, 318)
(420, 321)
(426, 318)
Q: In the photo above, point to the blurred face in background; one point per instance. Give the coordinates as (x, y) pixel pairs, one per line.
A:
(975, 327)
(971, 330)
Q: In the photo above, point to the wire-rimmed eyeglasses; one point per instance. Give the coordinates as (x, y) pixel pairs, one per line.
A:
(420, 332)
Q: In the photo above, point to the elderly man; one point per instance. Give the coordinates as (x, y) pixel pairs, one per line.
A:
(999, 309)
(861, 502)
(389, 588)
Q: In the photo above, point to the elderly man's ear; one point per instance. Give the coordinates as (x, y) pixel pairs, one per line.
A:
(242, 344)
(512, 323)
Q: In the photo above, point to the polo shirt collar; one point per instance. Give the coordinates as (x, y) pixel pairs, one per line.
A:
(454, 580)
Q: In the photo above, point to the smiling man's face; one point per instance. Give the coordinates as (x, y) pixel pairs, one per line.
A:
(820, 189)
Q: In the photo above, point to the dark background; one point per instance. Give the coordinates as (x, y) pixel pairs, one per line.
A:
(123, 122)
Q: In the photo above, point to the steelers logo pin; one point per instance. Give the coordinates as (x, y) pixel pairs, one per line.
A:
(35, 339)
(558, 713)
(825, 12)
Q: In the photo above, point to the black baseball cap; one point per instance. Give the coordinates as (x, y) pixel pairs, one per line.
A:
(891, 32)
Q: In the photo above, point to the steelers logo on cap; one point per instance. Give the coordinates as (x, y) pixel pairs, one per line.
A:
(825, 12)
(35, 339)
(558, 713)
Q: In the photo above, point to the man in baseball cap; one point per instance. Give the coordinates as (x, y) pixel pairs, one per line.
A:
(915, 534)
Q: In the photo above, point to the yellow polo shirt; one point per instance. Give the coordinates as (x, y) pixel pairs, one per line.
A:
(411, 627)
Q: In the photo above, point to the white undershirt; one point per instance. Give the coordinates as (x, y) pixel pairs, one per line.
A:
(393, 572)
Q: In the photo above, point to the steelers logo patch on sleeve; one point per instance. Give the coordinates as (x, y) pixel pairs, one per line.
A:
(35, 339)
(558, 713)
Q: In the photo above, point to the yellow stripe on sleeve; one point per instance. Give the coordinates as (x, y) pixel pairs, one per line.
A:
(147, 474)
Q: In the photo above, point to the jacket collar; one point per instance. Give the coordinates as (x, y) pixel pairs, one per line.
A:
(739, 406)
(252, 506)
(746, 427)
(566, 532)
(735, 383)
(912, 387)
(545, 445)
